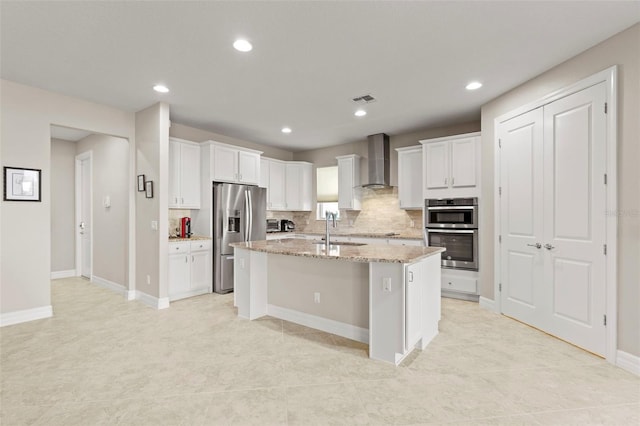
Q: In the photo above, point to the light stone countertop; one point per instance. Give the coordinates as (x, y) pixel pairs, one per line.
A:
(193, 238)
(395, 235)
(366, 253)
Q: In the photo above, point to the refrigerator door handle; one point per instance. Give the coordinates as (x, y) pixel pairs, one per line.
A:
(250, 215)
(246, 217)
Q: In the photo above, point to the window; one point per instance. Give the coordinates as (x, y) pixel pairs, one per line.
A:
(327, 191)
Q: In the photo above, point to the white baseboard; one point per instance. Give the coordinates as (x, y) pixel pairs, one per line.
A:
(330, 326)
(109, 285)
(628, 362)
(63, 274)
(26, 315)
(487, 304)
(152, 301)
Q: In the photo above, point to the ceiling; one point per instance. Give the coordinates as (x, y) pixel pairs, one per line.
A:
(309, 59)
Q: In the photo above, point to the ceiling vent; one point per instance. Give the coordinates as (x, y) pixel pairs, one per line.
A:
(364, 99)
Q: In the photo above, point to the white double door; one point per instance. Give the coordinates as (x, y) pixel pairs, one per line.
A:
(553, 165)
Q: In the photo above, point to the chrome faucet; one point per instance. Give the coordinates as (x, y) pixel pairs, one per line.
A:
(327, 216)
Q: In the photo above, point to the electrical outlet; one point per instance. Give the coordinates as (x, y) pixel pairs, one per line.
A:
(413, 224)
(386, 284)
(148, 279)
(316, 297)
(154, 225)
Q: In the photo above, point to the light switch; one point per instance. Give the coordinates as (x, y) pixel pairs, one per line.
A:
(106, 201)
(154, 225)
(386, 284)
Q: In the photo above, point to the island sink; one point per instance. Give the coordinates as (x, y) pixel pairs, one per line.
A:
(340, 243)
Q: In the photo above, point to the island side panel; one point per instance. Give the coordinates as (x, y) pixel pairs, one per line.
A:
(431, 298)
(343, 288)
(250, 283)
(386, 312)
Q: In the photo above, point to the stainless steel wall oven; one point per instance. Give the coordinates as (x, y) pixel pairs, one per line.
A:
(452, 223)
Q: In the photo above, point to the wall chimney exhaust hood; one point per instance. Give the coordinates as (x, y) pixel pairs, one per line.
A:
(378, 161)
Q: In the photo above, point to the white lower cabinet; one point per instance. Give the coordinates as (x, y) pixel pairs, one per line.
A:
(189, 269)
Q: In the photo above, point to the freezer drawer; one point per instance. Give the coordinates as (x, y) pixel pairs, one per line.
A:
(225, 269)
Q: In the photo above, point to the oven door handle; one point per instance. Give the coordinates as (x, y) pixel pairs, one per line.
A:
(451, 231)
(452, 208)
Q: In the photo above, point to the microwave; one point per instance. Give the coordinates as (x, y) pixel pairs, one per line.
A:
(273, 225)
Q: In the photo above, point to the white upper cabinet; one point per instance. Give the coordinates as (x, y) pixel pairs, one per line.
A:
(184, 174)
(234, 164)
(276, 189)
(298, 186)
(410, 192)
(452, 166)
(349, 193)
(288, 184)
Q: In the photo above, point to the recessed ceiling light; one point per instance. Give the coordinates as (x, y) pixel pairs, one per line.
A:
(161, 88)
(360, 113)
(242, 45)
(286, 130)
(474, 85)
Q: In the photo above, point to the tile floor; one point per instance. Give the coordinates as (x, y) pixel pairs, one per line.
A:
(104, 361)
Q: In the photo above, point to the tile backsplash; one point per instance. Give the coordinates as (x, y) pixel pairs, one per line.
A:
(174, 219)
(380, 213)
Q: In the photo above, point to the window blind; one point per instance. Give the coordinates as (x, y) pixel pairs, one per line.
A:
(327, 184)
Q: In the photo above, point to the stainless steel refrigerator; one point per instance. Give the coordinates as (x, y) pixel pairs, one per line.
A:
(239, 214)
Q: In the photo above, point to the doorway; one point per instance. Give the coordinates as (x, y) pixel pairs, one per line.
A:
(83, 213)
(92, 208)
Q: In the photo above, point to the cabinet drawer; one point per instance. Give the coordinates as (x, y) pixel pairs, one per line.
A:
(201, 245)
(181, 247)
(464, 284)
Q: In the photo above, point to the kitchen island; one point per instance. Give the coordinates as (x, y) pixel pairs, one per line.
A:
(386, 296)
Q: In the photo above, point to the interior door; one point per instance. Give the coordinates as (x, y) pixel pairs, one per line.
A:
(521, 202)
(574, 232)
(84, 221)
(553, 162)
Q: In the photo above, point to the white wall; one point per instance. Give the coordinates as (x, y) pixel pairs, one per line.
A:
(152, 142)
(623, 50)
(25, 227)
(63, 230)
(197, 135)
(110, 225)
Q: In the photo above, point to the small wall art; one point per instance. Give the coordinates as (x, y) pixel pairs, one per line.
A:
(148, 189)
(22, 184)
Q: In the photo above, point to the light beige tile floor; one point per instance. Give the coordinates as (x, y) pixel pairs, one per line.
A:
(104, 361)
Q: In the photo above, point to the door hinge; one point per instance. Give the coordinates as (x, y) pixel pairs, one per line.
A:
(605, 178)
(499, 143)
(605, 320)
(605, 107)
(500, 238)
(499, 190)
(605, 248)
(500, 287)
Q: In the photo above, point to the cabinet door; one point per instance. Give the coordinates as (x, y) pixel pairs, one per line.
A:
(264, 175)
(248, 167)
(410, 179)
(277, 173)
(413, 304)
(224, 164)
(437, 165)
(345, 183)
(174, 174)
(292, 186)
(178, 275)
(201, 270)
(463, 162)
(190, 176)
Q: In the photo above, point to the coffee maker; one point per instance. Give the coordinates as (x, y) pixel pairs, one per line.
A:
(185, 227)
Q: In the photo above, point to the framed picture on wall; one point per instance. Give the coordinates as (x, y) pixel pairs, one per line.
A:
(22, 184)
(141, 186)
(148, 189)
